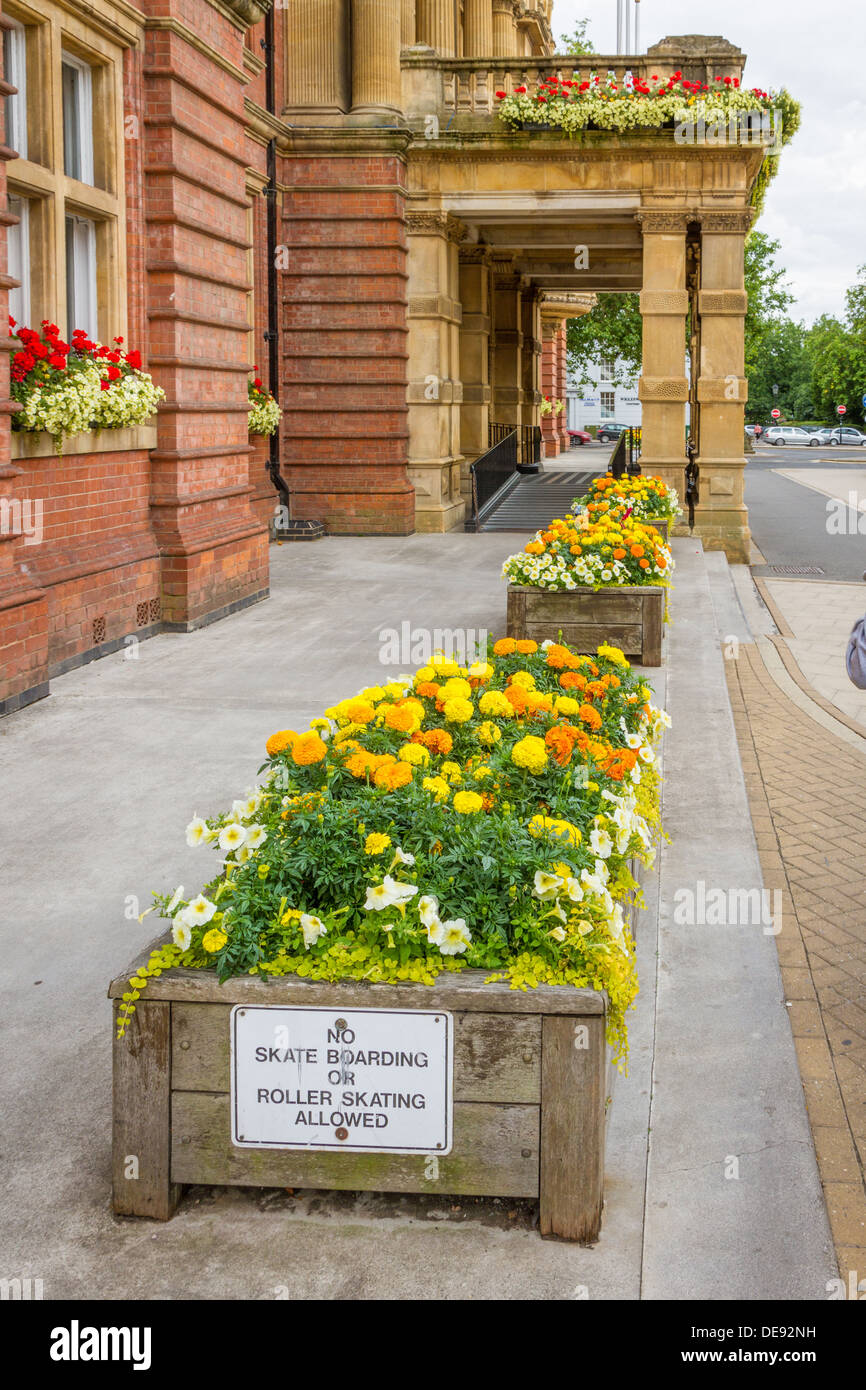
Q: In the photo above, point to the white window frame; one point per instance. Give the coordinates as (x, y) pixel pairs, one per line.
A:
(81, 298)
(606, 370)
(15, 72)
(18, 253)
(83, 117)
(605, 408)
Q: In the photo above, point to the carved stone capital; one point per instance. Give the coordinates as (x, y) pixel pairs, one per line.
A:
(664, 302)
(663, 220)
(663, 388)
(249, 11)
(729, 303)
(442, 224)
(730, 220)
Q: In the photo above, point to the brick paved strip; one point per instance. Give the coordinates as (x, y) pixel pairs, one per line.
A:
(806, 795)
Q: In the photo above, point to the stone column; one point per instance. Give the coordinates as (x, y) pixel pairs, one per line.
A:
(663, 388)
(435, 391)
(722, 518)
(549, 384)
(317, 67)
(478, 29)
(407, 23)
(562, 392)
(434, 25)
(530, 314)
(475, 279)
(505, 32)
(376, 30)
(507, 345)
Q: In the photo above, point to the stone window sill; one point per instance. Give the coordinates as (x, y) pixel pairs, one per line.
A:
(38, 444)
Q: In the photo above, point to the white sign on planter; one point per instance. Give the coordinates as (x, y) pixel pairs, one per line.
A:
(362, 1080)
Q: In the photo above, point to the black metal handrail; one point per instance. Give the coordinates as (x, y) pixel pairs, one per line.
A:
(530, 446)
(496, 433)
(626, 455)
(491, 476)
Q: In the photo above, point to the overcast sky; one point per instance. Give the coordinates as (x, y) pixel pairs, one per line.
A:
(816, 206)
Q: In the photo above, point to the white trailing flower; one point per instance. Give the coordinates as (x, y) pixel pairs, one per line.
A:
(456, 936)
(312, 927)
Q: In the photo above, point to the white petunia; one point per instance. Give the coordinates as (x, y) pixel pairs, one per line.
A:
(388, 893)
(600, 843)
(181, 933)
(455, 937)
(199, 911)
(647, 755)
(313, 928)
(546, 885)
(573, 890)
(196, 831)
(402, 858)
(178, 895)
(435, 931)
(428, 908)
(256, 835)
(232, 836)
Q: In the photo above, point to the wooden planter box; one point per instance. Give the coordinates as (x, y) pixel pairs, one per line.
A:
(530, 1080)
(630, 616)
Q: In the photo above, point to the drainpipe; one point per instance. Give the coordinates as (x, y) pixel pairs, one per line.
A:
(290, 530)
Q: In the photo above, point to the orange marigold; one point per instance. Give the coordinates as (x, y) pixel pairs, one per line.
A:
(393, 776)
(516, 697)
(572, 680)
(505, 646)
(560, 743)
(308, 748)
(526, 645)
(437, 740)
(359, 711)
(403, 718)
(590, 716)
(429, 689)
(277, 742)
(558, 656)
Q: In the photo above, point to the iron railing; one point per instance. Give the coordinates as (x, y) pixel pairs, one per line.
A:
(530, 448)
(626, 455)
(492, 476)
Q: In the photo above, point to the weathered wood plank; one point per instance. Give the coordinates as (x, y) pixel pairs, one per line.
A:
(653, 627)
(496, 1057)
(586, 637)
(606, 606)
(495, 1153)
(141, 1142)
(573, 1090)
(464, 992)
(515, 620)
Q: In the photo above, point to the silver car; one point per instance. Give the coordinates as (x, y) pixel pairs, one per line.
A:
(791, 434)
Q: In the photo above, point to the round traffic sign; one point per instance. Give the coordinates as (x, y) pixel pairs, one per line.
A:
(775, 414)
(841, 409)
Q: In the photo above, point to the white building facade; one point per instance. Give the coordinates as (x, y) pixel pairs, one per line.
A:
(603, 400)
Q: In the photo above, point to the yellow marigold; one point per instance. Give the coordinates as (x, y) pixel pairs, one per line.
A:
(566, 705)
(481, 671)
(613, 654)
(535, 700)
(489, 733)
(357, 711)
(455, 688)
(526, 646)
(308, 748)
(494, 705)
(524, 678)
(530, 753)
(373, 694)
(438, 787)
(394, 690)
(424, 673)
(551, 825)
(458, 710)
(393, 776)
(277, 742)
(414, 753)
(452, 771)
(402, 718)
(443, 666)
(505, 646)
(346, 735)
(467, 803)
(376, 843)
(214, 940)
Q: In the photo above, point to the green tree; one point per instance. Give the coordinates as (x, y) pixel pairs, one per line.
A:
(838, 363)
(782, 358)
(576, 42)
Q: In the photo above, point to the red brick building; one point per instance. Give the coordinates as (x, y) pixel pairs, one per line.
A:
(319, 188)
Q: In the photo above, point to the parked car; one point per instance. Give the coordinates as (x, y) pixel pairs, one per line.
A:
(754, 430)
(580, 436)
(609, 431)
(790, 434)
(842, 434)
